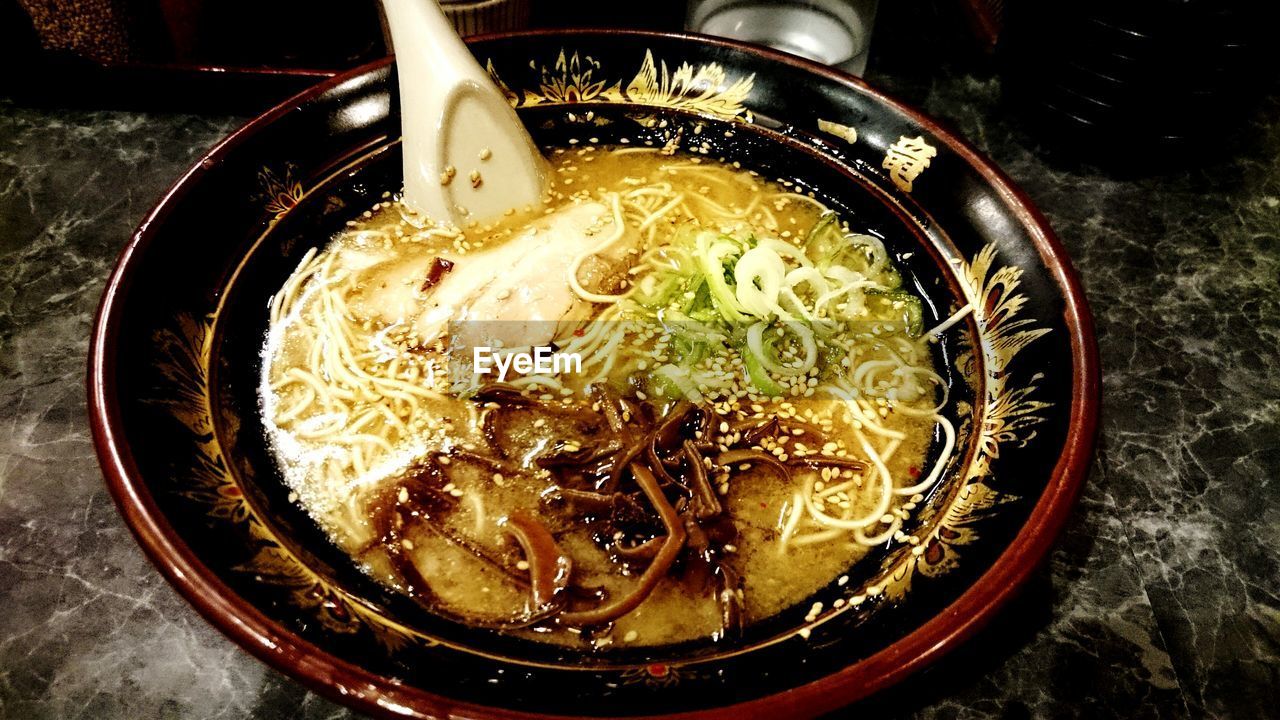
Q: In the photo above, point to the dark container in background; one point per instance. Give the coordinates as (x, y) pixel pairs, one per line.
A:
(1137, 77)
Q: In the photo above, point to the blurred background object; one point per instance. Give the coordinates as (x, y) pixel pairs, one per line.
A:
(832, 32)
(239, 33)
(1098, 75)
(238, 55)
(101, 30)
(986, 19)
(218, 55)
(475, 17)
(1139, 75)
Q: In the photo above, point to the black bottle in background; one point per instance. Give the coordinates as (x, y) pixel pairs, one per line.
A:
(1137, 76)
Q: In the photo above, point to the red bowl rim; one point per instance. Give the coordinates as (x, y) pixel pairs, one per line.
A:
(377, 695)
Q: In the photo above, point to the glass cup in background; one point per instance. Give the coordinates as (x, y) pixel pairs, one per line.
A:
(833, 32)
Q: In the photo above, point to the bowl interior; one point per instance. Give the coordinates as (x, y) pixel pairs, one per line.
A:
(241, 325)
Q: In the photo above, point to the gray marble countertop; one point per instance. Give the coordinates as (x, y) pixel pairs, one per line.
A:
(1162, 598)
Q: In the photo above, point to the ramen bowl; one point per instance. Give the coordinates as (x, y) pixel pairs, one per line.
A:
(176, 361)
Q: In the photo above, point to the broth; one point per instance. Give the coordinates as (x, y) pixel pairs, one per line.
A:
(752, 413)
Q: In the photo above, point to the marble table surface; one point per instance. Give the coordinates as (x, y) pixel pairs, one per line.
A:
(1162, 598)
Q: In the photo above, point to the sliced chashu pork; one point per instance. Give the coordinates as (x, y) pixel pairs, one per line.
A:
(513, 294)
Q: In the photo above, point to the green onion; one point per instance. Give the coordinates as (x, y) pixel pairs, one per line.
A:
(758, 376)
(911, 314)
(813, 239)
(680, 379)
(711, 254)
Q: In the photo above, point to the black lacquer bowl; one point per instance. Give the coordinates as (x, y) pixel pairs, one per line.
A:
(175, 359)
